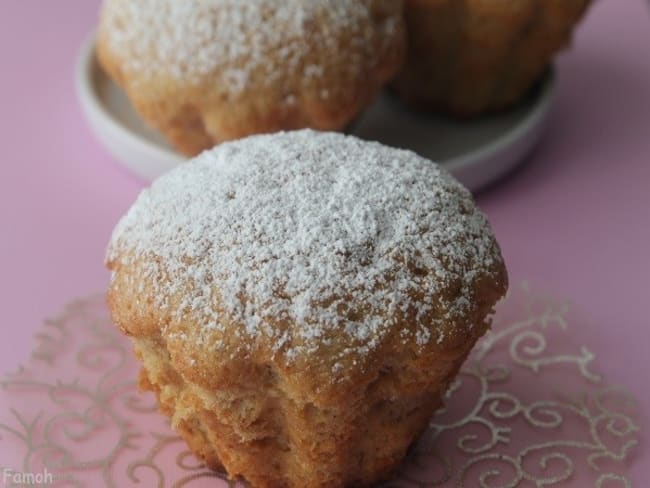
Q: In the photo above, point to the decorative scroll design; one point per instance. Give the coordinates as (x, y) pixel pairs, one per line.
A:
(476, 448)
(74, 411)
(527, 409)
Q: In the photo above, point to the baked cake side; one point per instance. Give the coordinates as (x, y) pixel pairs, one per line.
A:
(301, 301)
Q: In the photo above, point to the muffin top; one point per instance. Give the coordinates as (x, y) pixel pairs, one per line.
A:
(238, 43)
(304, 244)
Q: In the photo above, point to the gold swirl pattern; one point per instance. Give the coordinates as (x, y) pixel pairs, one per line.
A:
(527, 409)
(509, 420)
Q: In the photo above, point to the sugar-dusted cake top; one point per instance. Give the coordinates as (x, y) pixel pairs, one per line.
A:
(244, 40)
(299, 240)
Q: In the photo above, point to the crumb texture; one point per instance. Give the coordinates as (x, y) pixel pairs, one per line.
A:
(272, 439)
(301, 301)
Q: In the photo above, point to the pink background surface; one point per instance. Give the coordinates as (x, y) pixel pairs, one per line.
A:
(574, 220)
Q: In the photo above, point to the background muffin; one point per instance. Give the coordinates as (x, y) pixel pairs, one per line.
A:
(206, 71)
(467, 57)
(301, 301)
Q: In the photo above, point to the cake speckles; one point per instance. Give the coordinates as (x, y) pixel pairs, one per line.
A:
(303, 236)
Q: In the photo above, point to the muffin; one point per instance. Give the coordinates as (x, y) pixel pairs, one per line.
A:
(301, 301)
(206, 71)
(469, 57)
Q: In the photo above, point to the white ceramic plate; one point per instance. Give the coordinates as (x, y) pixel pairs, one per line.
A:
(477, 152)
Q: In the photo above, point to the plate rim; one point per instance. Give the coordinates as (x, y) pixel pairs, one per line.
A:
(166, 159)
(534, 119)
(96, 112)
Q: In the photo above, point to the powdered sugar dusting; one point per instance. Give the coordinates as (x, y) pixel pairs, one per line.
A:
(240, 40)
(327, 234)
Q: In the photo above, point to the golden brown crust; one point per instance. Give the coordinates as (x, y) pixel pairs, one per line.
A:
(285, 402)
(274, 440)
(274, 425)
(333, 78)
(475, 56)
